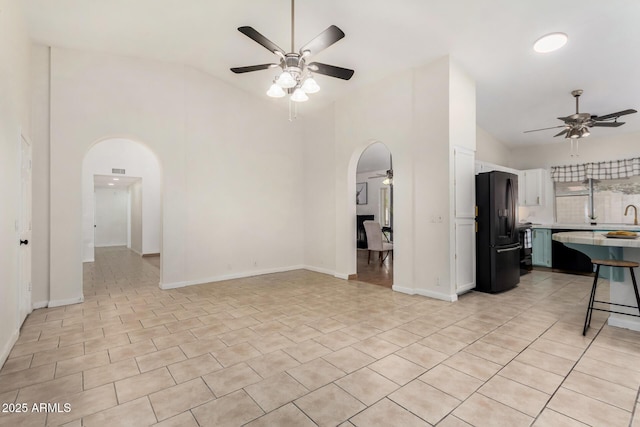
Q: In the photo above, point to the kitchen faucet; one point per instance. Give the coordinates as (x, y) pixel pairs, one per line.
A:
(635, 219)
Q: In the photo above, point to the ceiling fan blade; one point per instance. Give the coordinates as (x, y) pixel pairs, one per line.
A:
(607, 124)
(323, 40)
(561, 133)
(614, 115)
(260, 39)
(331, 70)
(536, 130)
(240, 70)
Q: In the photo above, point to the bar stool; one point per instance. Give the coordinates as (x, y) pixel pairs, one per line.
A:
(610, 263)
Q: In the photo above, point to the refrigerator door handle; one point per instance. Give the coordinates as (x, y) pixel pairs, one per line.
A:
(512, 208)
(515, 248)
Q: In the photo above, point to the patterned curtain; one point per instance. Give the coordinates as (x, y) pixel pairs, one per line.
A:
(601, 170)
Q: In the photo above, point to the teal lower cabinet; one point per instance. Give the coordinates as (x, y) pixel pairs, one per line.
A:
(541, 251)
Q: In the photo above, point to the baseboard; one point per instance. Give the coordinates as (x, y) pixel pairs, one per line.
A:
(89, 260)
(626, 322)
(352, 277)
(6, 349)
(426, 293)
(61, 302)
(241, 275)
(152, 254)
(39, 304)
(135, 252)
(318, 270)
(466, 288)
(341, 276)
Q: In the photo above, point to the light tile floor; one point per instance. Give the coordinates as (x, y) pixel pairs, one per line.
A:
(304, 349)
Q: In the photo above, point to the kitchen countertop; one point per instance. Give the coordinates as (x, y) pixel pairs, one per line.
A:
(606, 227)
(595, 238)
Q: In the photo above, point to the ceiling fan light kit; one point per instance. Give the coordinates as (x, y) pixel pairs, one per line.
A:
(296, 78)
(275, 91)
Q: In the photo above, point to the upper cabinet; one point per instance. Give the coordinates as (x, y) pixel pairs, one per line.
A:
(531, 187)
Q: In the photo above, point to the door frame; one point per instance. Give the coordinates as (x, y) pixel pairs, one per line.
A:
(24, 229)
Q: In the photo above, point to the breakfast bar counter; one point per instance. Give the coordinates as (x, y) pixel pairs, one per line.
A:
(596, 244)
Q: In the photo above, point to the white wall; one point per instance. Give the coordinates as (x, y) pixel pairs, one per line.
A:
(380, 112)
(137, 161)
(319, 192)
(231, 166)
(14, 120)
(112, 216)
(135, 223)
(410, 113)
(491, 150)
(39, 80)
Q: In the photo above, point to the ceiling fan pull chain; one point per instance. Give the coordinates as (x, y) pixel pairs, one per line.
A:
(293, 110)
(577, 147)
(571, 147)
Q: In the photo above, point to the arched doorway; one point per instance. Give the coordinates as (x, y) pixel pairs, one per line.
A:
(121, 200)
(374, 202)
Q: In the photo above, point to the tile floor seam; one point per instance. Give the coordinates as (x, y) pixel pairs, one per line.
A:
(567, 376)
(635, 408)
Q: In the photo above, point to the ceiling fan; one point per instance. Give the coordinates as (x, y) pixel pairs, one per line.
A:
(577, 125)
(296, 78)
(388, 175)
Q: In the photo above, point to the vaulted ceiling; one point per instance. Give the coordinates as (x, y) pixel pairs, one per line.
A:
(517, 89)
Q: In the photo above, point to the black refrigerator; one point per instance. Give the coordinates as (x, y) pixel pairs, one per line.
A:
(497, 239)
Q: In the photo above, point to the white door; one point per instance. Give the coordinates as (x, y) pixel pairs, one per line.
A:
(465, 256)
(464, 183)
(111, 217)
(24, 232)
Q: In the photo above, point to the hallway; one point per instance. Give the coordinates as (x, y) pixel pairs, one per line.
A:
(302, 349)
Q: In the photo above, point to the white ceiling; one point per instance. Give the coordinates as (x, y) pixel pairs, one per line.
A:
(517, 89)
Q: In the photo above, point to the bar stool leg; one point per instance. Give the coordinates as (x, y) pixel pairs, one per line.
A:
(587, 320)
(635, 287)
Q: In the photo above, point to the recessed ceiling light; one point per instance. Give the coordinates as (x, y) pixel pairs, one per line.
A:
(111, 183)
(116, 179)
(550, 42)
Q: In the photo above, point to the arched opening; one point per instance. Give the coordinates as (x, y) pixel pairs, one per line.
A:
(374, 215)
(121, 204)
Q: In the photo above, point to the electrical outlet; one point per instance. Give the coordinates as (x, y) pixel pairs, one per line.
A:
(439, 218)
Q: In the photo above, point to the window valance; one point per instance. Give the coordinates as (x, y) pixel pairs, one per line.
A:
(613, 169)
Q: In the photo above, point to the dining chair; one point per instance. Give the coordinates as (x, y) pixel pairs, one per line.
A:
(376, 242)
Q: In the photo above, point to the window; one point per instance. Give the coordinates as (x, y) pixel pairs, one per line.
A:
(604, 200)
(385, 207)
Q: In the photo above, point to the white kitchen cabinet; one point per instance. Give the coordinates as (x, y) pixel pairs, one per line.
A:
(531, 187)
(541, 251)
